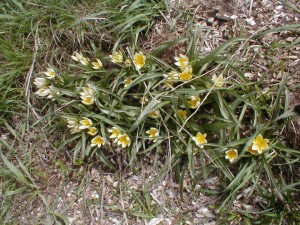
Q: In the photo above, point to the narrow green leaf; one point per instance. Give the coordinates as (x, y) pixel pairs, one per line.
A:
(12, 168)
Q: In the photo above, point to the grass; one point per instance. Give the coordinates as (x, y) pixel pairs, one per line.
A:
(232, 113)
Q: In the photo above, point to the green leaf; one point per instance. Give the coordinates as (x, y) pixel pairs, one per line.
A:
(12, 168)
(105, 160)
(167, 45)
(153, 105)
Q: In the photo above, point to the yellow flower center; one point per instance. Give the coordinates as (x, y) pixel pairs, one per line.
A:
(88, 100)
(182, 61)
(194, 102)
(260, 144)
(86, 122)
(153, 132)
(98, 141)
(116, 132)
(185, 75)
(117, 57)
(127, 81)
(231, 155)
(154, 114)
(51, 73)
(182, 113)
(139, 59)
(93, 131)
(124, 140)
(201, 138)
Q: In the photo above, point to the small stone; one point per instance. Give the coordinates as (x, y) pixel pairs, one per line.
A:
(210, 20)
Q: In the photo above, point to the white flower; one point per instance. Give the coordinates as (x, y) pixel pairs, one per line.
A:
(123, 140)
(77, 57)
(41, 82)
(200, 139)
(231, 155)
(117, 57)
(219, 81)
(85, 61)
(115, 132)
(87, 95)
(43, 92)
(85, 123)
(97, 141)
(75, 130)
(74, 125)
(194, 102)
(139, 60)
(97, 65)
(87, 100)
(89, 90)
(50, 73)
(92, 131)
(153, 133)
(182, 61)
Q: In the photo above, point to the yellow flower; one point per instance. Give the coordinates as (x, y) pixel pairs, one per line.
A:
(200, 139)
(144, 100)
(252, 151)
(171, 78)
(231, 155)
(127, 81)
(97, 65)
(87, 100)
(50, 73)
(41, 82)
(154, 114)
(182, 114)
(182, 61)
(123, 140)
(139, 60)
(92, 131)
(260, 144)
(117, 57)
(194, 102)
(115, 132)
(185, 76)
(85, 123)
(97, 141)
(218, 80)
(153, 133)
